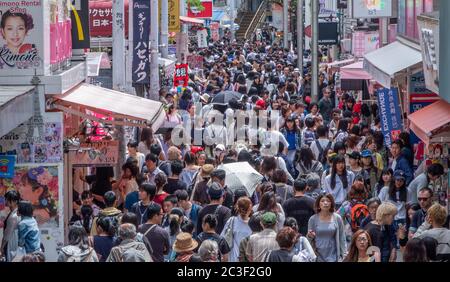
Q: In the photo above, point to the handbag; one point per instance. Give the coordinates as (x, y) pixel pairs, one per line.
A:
(228, 235)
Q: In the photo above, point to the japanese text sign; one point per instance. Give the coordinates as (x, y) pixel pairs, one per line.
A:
(141, 33)
(181, 77)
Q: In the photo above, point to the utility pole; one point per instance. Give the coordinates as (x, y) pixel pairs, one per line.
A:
(285, 23)
(118, 44)
(315, 51)
(154, 45)
(444, 60)
(164, 29)
(233, 17)
(300, 21)
(118, 33)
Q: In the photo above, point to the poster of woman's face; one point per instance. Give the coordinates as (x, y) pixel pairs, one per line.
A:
(40, 186)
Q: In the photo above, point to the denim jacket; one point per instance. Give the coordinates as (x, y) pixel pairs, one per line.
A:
(298, 136)
(29, 234)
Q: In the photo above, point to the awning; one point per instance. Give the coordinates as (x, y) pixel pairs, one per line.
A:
(426, 121)
(134, 110)
(354, 71)
(385, 62)
(339, 64)
(189, 20)
(16, 107)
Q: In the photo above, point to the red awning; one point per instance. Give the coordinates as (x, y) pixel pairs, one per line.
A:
(429, 119)
(355, 71)
(100, 18)
(189, 20)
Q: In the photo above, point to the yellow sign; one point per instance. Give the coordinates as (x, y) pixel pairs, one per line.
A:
(174, 14)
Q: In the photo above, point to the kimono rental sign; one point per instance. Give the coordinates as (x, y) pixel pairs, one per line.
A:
(391, 123)
(141, 33)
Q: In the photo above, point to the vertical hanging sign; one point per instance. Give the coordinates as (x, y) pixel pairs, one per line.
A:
(141, 34)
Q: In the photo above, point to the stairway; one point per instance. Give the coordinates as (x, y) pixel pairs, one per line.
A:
(244, 22)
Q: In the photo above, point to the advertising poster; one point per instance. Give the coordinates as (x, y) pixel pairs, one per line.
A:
(390, 114)
(364, 42)
(31, 149)
(103, 153)
(372, 8)
(42, 186)
(21, 41)
(7, 166)
(141, 34)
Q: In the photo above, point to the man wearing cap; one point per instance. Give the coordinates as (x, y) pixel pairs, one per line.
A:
(200, 192)
(260, 244)
(215, 193)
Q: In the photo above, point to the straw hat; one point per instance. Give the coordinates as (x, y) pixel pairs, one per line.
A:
(184, 243)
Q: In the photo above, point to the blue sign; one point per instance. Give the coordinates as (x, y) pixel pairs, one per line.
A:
(7, 166)
(207, 23)
(390, 114)
(141, 34)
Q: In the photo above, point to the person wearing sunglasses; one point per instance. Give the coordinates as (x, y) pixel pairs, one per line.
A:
(425, 198)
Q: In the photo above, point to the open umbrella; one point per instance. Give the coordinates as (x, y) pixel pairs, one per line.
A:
(222, 98)
(241, 175)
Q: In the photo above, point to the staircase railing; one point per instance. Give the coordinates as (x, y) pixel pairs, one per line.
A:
(256, 19)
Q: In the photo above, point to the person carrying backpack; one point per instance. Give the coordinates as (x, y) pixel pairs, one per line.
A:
(129, 249)
(110, 211)
(354, 211)
(322, 145)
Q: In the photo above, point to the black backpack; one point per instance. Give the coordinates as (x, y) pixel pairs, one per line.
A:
(322, 156)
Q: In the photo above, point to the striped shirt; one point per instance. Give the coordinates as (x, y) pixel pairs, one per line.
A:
(261, 243)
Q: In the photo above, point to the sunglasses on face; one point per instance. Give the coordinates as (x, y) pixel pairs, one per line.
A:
(422, 199)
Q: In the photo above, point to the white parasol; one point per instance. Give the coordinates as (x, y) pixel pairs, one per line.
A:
(241, 175)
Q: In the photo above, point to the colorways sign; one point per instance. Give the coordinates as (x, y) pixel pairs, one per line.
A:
(390, 114)
(372, 8)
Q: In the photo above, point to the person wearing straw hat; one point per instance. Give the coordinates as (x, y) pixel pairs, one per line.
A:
(200, 192)
(184, 246)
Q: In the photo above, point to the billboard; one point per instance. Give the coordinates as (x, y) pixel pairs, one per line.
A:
(372, 8)
(206, 13)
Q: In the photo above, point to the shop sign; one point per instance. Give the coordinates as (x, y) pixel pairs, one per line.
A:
(174, 15)
(202, 36)
(364, 42)
(328, 33)
(100, 18)
(80, 25)
(372, 9)
(7, 166)
(103, 153)
(141, 34)
(390, 114)
(181, 77)
(215, 31)
(194, 12)
(429, 42)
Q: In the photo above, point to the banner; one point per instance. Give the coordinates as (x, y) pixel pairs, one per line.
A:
(181, 77)
(372, 8)
(81, 38)
(22, 40)
(390, 114)
(174, 15)
(195, 61)
(207, 12)
(141, 34)
(103, 153)
(7, 166)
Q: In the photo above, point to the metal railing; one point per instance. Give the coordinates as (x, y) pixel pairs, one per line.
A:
(256, 19)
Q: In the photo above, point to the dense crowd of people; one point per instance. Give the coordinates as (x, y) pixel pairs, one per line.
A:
(330, 191)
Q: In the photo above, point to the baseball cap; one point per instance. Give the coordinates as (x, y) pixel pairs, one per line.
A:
(220, 147)
(260, 103)
(366, 154)
(399, 175)
(215, 192)
(354, 155)
(269, 218)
